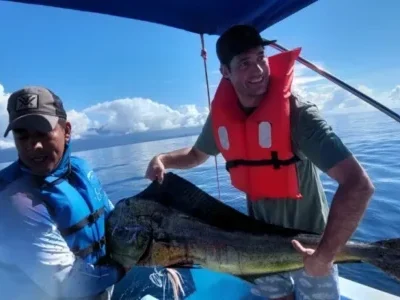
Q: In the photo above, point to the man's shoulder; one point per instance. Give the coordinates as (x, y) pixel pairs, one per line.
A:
(206, 142)
(300, 105)
(83, 165)
(305, 120)
(315, 138)
(20, 201)
(305, 115)
(16, 189)
(11, 176)
(90, 173)
(10, 173)
(79, 160)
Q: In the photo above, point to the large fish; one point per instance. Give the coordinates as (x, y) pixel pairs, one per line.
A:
(177, 224)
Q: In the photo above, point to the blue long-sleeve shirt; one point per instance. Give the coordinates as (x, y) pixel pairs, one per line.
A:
(35, 260)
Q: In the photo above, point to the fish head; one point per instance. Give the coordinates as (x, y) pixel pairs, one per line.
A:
(129, 242)
(128, 236)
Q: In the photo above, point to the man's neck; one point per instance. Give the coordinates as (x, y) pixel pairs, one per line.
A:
(248, 105)
(250, 102)
(246, 109)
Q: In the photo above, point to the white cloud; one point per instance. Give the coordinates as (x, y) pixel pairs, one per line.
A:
(331, 98)
(80, 123)
(395, 94)
(306, 79)
(3, 110)
(139, 114)
(122, 116)
(6, 144)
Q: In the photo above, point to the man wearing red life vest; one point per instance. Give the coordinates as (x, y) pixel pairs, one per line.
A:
(274, 143)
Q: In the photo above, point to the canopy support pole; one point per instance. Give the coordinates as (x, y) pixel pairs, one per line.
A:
(204, 56)
(387, 111)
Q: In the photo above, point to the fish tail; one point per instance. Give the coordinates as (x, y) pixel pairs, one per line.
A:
(387, 257)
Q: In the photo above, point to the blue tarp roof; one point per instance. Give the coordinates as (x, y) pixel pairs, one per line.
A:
(206, 16)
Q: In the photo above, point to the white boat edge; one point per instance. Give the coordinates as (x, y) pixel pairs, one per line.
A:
(354, 290)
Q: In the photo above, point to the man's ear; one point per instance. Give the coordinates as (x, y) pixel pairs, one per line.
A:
(224, 71)
(68, 131)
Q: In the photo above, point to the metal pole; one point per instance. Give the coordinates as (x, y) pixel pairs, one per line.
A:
(387, 111)
(204, 56)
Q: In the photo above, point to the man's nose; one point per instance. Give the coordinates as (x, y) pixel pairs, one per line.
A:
(35, 144)
(258, 69)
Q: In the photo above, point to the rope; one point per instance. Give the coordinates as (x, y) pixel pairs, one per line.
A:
(204, 56)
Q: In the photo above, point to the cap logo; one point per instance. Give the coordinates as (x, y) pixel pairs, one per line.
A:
(27, 101)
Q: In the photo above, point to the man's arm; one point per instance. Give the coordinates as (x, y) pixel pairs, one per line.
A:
(36, 247)
(185, 158)
(348, 206)
(190, 157)
(324, 148)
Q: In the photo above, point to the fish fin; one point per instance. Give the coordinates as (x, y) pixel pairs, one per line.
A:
(387, 257)
(389, 243)
(182, 195)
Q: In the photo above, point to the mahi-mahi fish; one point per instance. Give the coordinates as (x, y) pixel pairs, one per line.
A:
(177, 224)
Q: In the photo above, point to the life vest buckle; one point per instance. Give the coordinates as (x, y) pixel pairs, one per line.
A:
(94, 247)
(276, 163)
(92, 218)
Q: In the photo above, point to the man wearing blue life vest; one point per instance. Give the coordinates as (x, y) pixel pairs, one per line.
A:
(53, 209)
(273, 143)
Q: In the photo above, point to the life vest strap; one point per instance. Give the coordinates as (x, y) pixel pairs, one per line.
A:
(274, 161)
(96, 246)
(90, 219)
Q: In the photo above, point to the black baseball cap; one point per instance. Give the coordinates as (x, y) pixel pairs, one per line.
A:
(238, 39)
(34, 107)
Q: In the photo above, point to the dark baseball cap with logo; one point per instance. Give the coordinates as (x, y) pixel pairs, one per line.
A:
(34, 108)
(237, 40)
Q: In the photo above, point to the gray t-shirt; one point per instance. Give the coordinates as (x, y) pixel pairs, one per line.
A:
(319, 147)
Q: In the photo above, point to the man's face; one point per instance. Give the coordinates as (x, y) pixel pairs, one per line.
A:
(249, 75)
(41, 152)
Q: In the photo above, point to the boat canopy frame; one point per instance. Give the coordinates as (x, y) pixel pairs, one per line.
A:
(205, 17)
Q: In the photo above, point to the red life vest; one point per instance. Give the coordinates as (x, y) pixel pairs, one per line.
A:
(257, 148)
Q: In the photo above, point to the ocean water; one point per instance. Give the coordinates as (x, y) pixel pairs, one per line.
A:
(372, 137)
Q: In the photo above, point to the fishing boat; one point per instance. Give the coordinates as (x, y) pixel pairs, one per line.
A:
(213, 17)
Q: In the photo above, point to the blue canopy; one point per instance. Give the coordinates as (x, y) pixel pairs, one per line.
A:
(206, 16)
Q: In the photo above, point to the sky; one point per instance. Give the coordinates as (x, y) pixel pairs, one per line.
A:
(127, 76)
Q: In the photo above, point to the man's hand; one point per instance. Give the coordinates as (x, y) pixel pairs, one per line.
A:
(155, 169)
(314, 265)
(185, 158)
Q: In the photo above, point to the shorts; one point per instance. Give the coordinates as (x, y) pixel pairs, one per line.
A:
(303, 286)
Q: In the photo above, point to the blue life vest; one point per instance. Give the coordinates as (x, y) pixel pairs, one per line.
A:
(75, 200)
